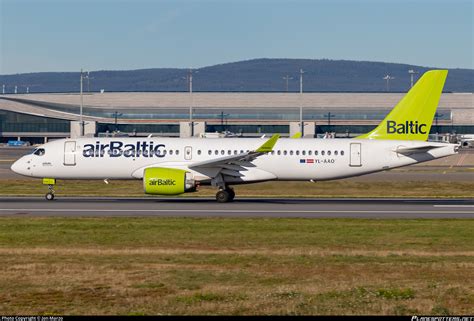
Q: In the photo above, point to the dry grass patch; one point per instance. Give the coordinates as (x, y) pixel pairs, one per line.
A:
(235, 266)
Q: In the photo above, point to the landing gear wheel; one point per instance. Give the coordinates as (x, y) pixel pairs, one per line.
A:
(223, 196)
(231, 194)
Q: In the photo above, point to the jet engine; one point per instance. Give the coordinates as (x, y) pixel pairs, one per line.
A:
(167, 181)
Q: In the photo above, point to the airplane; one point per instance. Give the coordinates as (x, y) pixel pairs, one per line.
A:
(172, 166)
(466, 140)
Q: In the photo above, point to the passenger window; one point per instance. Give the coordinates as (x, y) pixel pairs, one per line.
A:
(303, 152)
(323, 152)
(335, 152)
(329, 153)
(342, 153)
(241, 151)
(235, 152)
(216, 152)
(309, 152)
(39, 152)
(297, 152)
(284, 152)
(222, 152)
(278, 152)
(229, 152)
(171, 152)
(291, 152)
(315, 153)
(177, 152)
(199, 152)
(209, 152)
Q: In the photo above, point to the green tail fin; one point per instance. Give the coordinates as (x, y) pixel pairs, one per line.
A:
(412, 117)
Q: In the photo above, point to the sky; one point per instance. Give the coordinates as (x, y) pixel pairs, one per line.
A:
(67, 35)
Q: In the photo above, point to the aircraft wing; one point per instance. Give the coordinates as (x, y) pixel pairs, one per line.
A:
(231, 165)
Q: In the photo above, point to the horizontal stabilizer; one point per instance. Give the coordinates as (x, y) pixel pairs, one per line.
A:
(414, 150)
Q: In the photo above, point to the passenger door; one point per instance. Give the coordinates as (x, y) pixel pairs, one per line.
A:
(355, 155)
(70, 153)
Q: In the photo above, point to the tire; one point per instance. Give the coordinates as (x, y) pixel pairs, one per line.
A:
(231, 194)
(222, 196)
(49, 196)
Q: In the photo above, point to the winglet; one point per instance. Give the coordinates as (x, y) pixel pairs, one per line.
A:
(268, 145)
(297, 135)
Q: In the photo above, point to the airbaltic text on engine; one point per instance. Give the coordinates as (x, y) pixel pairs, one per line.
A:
(409, 127)
(118, 149)
(160, 181)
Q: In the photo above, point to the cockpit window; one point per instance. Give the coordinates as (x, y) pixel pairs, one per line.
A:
(39, 151)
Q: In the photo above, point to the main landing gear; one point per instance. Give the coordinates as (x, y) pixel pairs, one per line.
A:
(225, 195)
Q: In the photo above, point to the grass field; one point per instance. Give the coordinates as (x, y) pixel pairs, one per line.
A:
(235, 266)
(339, 188)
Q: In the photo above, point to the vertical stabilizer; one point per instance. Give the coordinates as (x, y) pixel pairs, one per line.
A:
(412, 117)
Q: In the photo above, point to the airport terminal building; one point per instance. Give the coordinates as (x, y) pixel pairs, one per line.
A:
(40, 117)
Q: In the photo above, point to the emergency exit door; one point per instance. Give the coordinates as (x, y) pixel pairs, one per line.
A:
(70, 153)
(355, 155)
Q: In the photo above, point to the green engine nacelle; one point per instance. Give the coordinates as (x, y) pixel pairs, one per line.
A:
(167, 181)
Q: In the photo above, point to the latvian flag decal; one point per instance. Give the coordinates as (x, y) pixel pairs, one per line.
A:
(306, 161)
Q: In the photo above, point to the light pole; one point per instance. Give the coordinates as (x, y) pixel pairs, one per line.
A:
(301, 103)
(82, 103)
(222, 120)
(437, 115)
(3, 89)
(329, 115)
(116, 115)
(411, 72)
(191, 100)
(287, 77)
(81, 120)
(388, 78)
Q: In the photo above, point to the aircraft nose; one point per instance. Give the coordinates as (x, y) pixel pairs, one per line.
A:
(16, 167)
(19, 167)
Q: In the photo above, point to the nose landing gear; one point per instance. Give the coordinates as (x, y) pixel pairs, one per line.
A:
(50, 182)
(50, 195)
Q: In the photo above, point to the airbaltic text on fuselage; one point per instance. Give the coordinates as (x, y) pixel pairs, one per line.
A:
(409, 127)
(119, 149)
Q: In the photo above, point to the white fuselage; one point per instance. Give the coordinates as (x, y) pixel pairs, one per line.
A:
(291, 159)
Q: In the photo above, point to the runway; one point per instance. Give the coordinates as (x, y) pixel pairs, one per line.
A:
(243, 207)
